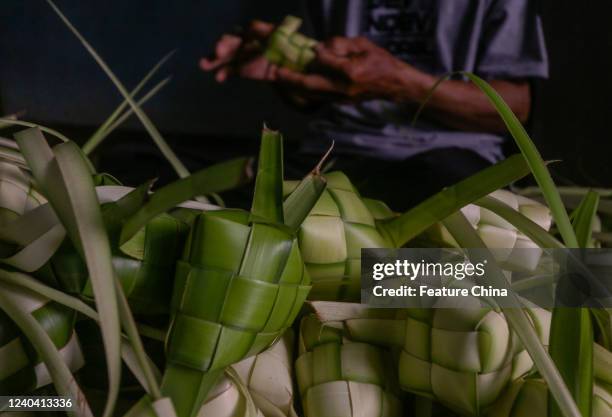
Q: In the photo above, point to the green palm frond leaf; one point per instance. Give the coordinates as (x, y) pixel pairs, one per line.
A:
(65, 179)
(39, 346)
(161, 143)
(22, 369)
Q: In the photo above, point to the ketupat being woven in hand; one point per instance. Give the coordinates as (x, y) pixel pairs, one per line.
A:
(21, 367)
(341, 378)
(239, 286)
(461, 357)
(289, 48)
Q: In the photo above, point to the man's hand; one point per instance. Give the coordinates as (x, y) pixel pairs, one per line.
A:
(356, 69)
(242, 55)
(353, 69)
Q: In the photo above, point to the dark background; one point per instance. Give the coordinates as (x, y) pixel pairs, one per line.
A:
(45, 71)
(573, 112)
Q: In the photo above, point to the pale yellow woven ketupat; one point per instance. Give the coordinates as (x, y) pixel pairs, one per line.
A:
(462, 358)
(529, 397)
(259, 386)
(338, 377)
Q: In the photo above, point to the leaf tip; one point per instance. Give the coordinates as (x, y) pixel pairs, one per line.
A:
(318, 167)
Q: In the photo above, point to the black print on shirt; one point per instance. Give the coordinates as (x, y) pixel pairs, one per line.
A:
(406, 28)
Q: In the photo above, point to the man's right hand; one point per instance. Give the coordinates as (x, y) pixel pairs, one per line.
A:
(242, 55)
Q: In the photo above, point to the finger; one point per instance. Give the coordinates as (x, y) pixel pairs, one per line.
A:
(259, 29)
(290, 77)
(207, 64)
(340, 45)
(227, 46)
(223, 74)
(257, 69)
(328, 59)
(271, 73)
(363, 43)
(225, 50)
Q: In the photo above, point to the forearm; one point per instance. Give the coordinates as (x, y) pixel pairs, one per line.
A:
(462, 105)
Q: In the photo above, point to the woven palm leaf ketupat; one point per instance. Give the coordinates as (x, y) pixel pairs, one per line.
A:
(461, 357)
(529, 397)
(342, 223)
(468, 358)
(21, 368)
(269, 377)
(513, 250)
(239, 285)
(289, 48)
(341, 378)
(258, 386)
(145, 266)
(332, 236)
(229, 399)
(17, 196)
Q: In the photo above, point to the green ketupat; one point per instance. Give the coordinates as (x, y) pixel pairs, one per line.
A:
(239, 286)
(289, 48)
(529, 397)
(269, 378)
(21, 367)
(461, 357)
(145, 266)
(341, 378)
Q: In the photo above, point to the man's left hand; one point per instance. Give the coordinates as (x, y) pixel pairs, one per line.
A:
(354, 69)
